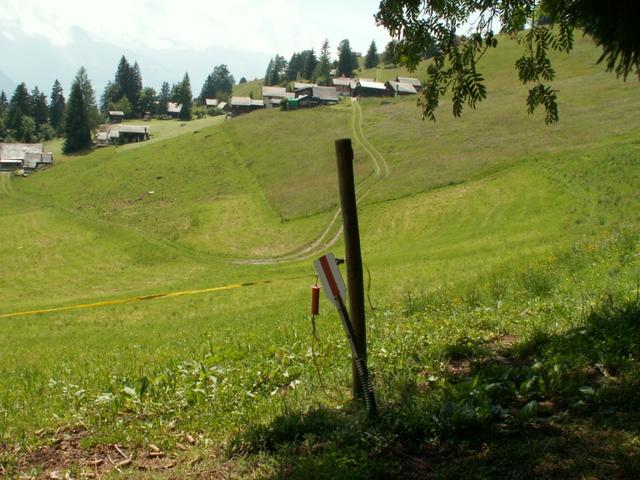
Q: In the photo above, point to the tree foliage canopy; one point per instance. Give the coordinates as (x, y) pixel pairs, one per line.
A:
(218, 84)
(421, 25)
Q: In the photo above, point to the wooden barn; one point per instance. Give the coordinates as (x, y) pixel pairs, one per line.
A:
(399, 88)
(274, 95)
(173, 109)
(413, 81)
(240, 105)
(344, 85)
(116, 116)
(315, 96)
(370, 89)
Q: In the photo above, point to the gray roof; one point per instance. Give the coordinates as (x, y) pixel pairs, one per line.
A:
(401, 87)
(116, 113)
(222, 105)
(328, 94)
(344, 82)
(299, 85)
(372, 85)
(240, 101)
(366, 80)
(174, 107)
(413, 81)
(18, 151)
(133, 129)
(257, 103)
(273, 91)
(211, 102)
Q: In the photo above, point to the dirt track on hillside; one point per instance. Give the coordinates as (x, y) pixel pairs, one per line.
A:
(332, 232)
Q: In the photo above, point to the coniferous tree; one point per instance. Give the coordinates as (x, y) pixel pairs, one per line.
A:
(185, 98)
(164, 98)
(4, 104)
(57, 108)
(323, 69)
(390, 55)
(89, 98)
(269, 74)
(372, 59)
(310, 64)
(39, 107)
(109, 98)
(19, 110)
(136, 90)
(242, 80)
(346, 63)
(77, 122)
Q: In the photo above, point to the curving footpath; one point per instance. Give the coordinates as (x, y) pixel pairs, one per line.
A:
(330, 235)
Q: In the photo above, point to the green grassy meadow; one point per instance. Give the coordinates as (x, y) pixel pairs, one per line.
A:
(502, 273)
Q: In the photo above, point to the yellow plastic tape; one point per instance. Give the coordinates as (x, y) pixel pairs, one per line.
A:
(146, 297)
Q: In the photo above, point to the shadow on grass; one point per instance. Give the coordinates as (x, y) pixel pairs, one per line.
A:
(556, 406)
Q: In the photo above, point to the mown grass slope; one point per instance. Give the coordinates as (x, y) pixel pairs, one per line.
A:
(500, 254)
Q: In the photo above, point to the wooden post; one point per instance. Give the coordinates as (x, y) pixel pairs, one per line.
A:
(355, 283)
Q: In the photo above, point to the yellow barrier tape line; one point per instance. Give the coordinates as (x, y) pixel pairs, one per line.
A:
(158, 296)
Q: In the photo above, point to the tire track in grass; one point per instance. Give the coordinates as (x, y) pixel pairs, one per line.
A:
(325, 240)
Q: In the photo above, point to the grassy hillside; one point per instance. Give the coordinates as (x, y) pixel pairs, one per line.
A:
(502, 264)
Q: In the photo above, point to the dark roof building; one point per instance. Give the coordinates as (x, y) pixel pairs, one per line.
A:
(371, 89)
(116, 116)
(344, 85)
(314, 96)
(240, 105)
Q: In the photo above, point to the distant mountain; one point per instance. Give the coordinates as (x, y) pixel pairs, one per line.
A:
(7, 84)
(35, 61)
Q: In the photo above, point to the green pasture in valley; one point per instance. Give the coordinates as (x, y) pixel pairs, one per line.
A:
(502, 274)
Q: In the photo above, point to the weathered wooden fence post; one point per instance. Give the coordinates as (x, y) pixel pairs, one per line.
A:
(355, 282)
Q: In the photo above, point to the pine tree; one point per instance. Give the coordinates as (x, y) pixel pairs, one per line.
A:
(269, 74)
(57, 108)
(77, 122)
(4, 104)
(19, 110)
(323, 69)
(372, 59)
(109, 98)
(89, 98)
(185, 97)
(310, 65)
(39, 108)
(164, 98)
(136, 89)
(345, 59)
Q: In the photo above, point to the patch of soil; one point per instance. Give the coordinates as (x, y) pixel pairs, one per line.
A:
(62, 451)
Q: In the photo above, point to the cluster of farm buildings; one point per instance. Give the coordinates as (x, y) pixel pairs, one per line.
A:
(24, 156)
(307, 95)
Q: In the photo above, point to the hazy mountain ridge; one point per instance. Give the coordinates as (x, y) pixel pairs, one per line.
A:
(34, 60)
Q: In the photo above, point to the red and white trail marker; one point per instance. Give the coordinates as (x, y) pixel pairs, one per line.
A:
(331, 279)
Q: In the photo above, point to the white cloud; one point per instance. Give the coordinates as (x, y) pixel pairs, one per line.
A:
(270, 26)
